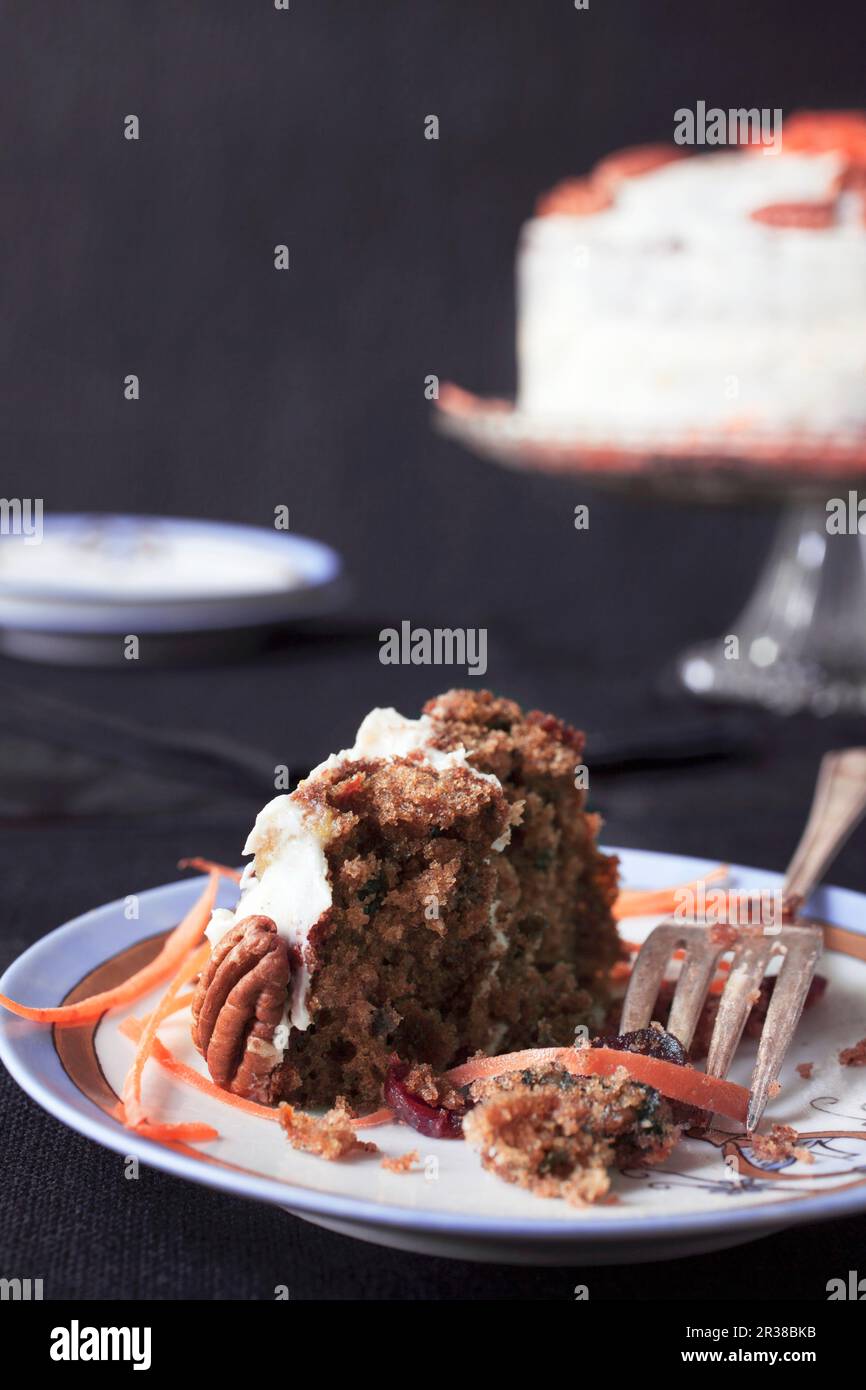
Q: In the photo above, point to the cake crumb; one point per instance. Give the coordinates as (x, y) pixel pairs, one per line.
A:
(558, 1135)
(328, 1136)
(854, 1056)
(778, 1144)
(434, 1090)
(401, 1163)
(805, 1070)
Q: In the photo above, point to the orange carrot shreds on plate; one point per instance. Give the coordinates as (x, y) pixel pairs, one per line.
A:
(637, 902)
(133, 1109)
(676, 1082)
(377, 1117)
(186, 1133)
(480, 1067)
(210, 866)
(132, 1028)
(175, 948)
(183, 1001)
(190, 1132)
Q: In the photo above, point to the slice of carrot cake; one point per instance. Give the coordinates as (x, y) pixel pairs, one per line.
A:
(433, 891)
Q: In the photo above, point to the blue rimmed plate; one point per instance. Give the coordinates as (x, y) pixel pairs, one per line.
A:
(710, 1194)
(71, 585)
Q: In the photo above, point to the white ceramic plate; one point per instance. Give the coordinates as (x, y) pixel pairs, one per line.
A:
(711, 1193)
(106, 573)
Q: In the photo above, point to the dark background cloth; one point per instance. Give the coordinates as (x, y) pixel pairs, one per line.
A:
(306, 388)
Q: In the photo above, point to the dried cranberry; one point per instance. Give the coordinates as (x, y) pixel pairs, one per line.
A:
(652, 1042)
(434, 1121)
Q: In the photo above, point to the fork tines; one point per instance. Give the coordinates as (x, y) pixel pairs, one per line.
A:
(753, 949)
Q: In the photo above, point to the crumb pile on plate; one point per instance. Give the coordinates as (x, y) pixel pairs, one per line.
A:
(330, 1136)
(780, 1143)
(559, 1135)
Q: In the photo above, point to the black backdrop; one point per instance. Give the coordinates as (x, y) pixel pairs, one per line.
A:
(306, 388)
(306, 127)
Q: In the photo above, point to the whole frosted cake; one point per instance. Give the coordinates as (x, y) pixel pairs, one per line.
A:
(670, 292)
(433, 891)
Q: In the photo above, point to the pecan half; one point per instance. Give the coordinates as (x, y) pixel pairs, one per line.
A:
(239, 1002)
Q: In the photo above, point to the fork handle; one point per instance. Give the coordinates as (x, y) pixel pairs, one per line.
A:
(837, 806)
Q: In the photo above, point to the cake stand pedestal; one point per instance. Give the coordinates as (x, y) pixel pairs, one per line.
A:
(800, 641)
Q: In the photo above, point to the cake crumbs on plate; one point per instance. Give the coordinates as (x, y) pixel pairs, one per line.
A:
(854, 1056)
(779, 1143)
(401, 1163)
(558, 1135)
(328, 1136)
(805, 1070)
(434, 1090)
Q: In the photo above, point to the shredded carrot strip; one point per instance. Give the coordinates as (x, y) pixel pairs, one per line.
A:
(133, 1110)
(181, 1002)
(133, 1028)
(377, 1117)
(678, 1083)
(647, 902)
(190, 1133)
(509, 1061)
(210, 866)
(204, 1084)
(176, 947)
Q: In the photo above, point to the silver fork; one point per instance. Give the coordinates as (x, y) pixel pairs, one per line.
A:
(838, 804)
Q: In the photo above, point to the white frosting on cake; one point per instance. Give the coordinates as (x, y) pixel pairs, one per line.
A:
(674, 310)
(288, 878)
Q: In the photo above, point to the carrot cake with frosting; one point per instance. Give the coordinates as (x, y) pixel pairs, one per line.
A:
(432, 892)
(671, 291)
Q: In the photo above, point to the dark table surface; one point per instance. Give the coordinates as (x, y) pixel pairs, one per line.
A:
(68, 1214)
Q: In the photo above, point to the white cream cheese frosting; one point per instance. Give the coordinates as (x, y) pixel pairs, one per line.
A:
(674, 310)
(287, 879)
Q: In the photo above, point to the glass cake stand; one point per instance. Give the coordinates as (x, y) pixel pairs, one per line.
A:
(801, 638)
